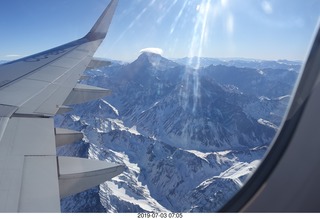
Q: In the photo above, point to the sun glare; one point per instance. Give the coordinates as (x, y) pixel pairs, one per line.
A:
(195, 51)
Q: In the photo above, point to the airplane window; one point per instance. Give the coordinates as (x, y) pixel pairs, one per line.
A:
(199, 91)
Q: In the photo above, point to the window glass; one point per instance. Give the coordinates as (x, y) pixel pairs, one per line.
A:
(199, 90)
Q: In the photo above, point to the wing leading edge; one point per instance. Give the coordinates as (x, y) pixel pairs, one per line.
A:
(32, 90)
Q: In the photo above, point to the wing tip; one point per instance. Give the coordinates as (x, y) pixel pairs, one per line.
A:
(100, 28)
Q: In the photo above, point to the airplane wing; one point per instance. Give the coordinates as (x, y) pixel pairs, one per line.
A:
(32, 90)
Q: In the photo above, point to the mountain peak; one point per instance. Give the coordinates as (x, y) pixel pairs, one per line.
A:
(155, 60)
(152, 50)
(149, 55)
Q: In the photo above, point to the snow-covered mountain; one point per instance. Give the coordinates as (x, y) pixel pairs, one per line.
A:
(240, 63)
(188, 138)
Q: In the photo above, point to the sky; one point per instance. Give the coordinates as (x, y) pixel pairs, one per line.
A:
(258, 29)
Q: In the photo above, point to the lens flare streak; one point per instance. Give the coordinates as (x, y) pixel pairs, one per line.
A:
(195, 51)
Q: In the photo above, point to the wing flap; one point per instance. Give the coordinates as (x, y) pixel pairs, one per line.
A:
(28, 136)
(11, 168)
(78, 174)
(65, 136)
(64, 109)
(17, 142)
(39, 185)
(84, 93)
(7, 111)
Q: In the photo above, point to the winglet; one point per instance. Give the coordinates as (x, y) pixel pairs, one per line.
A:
(100, 29)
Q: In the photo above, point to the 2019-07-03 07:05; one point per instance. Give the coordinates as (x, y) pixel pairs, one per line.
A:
(160, 215)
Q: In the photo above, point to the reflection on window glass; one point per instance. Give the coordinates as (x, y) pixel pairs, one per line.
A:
(200, 89)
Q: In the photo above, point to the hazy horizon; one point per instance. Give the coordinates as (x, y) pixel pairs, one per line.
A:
(265, 30)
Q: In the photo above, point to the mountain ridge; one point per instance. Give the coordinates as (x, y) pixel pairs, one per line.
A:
(188, 139)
